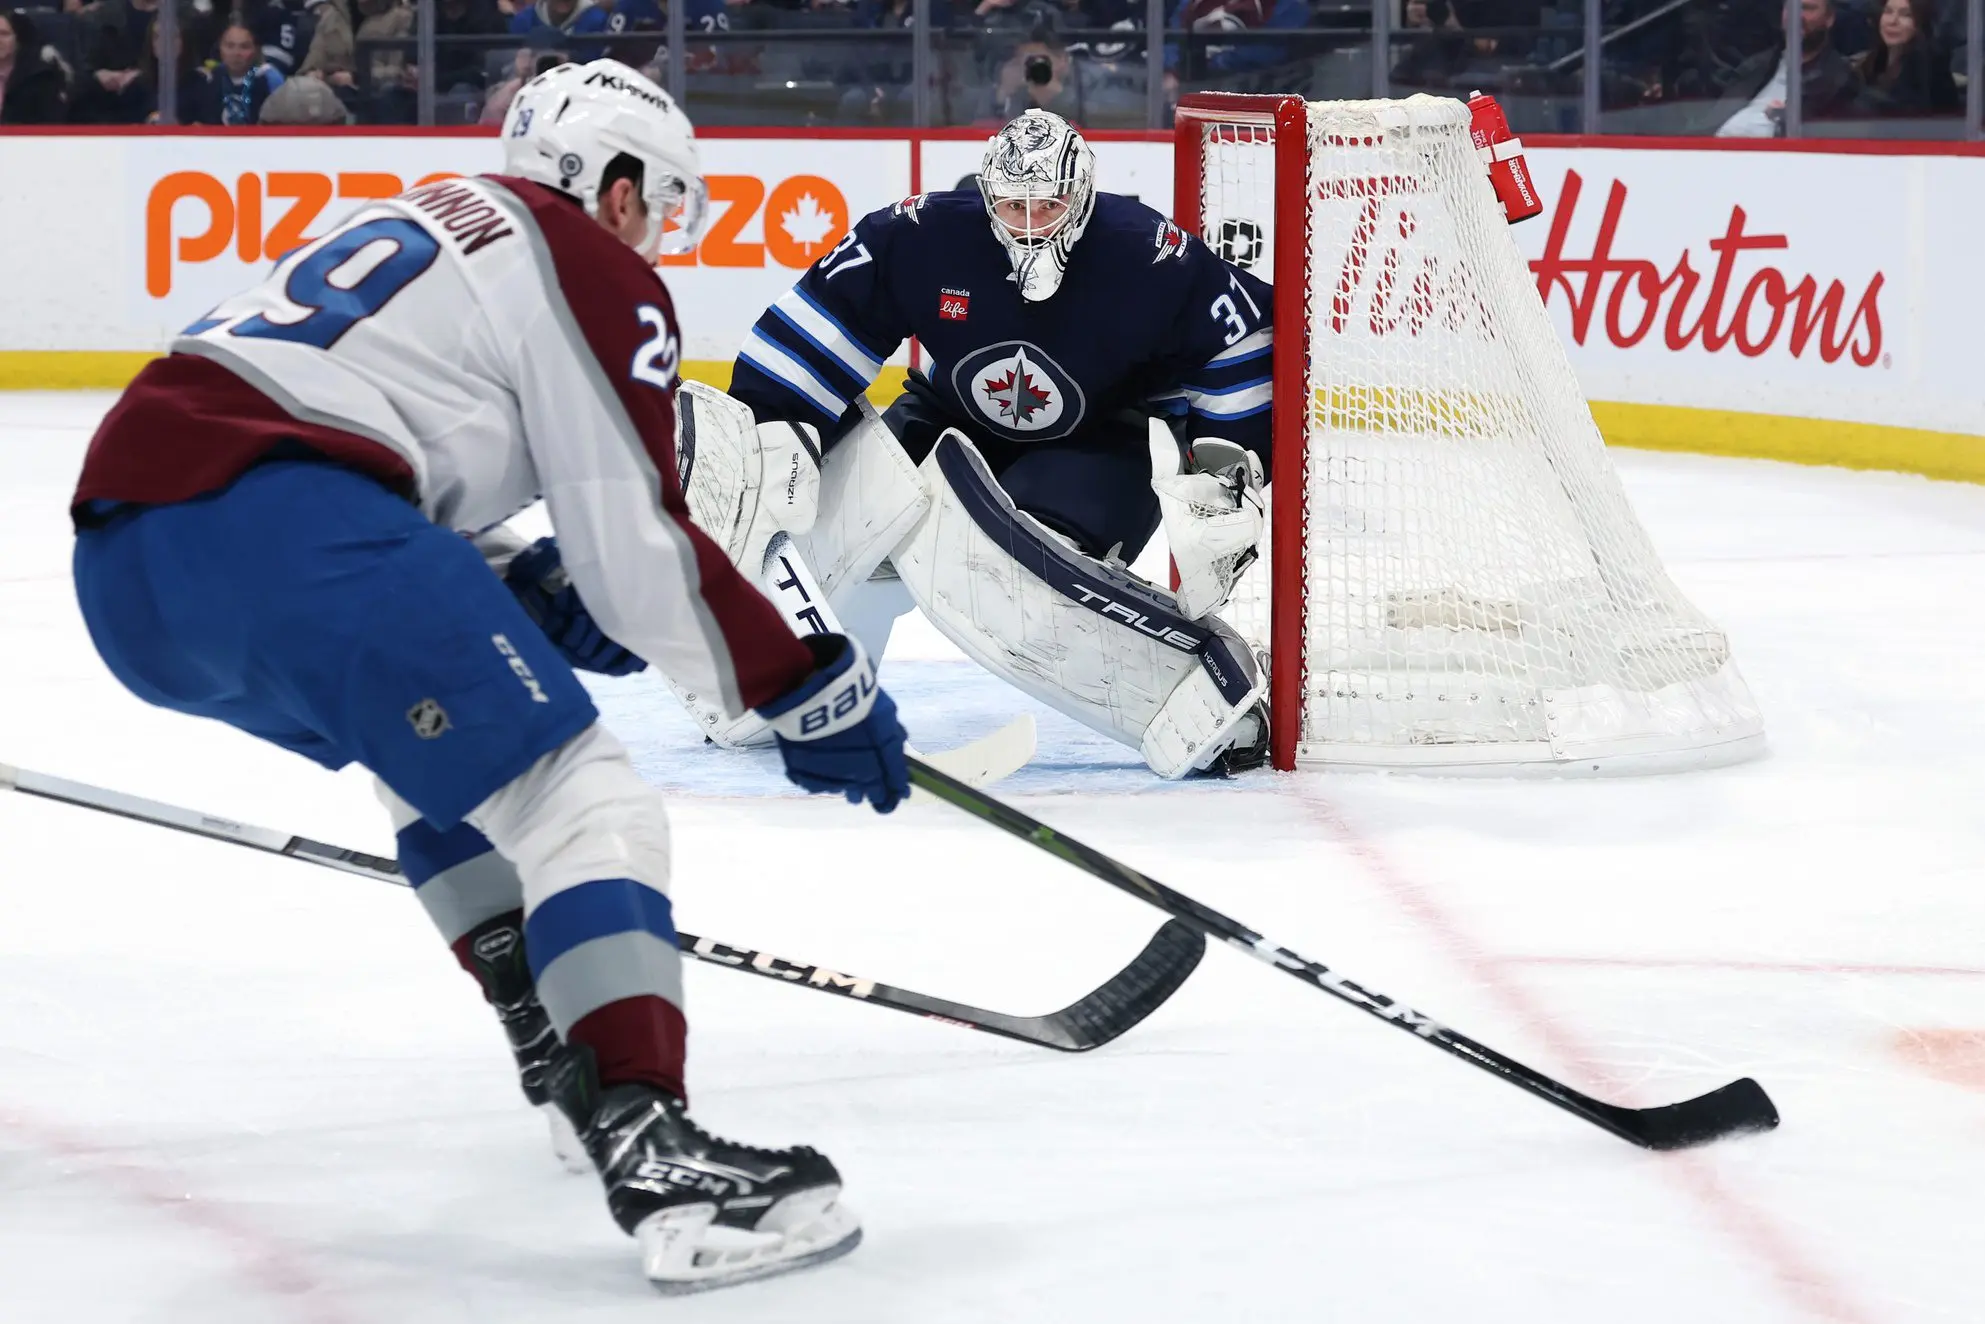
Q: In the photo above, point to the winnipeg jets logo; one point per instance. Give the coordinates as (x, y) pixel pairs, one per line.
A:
(910, 209)
(1171, 242)
(1016, 394)
(1018, 390)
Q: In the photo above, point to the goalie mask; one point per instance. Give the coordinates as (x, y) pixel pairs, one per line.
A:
(568, 124)
(1039, 183)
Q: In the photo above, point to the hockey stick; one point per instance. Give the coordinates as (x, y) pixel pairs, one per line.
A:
(990, 758)
(1733, 1109)
(1091, 1021)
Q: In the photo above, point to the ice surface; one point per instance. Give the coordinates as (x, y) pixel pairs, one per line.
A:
(234, 1088)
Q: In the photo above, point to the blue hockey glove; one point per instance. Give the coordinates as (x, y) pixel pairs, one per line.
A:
(838, 731)
(538, 580)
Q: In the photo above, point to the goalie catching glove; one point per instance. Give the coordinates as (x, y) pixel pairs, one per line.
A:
(1213, 522)
(838, 731)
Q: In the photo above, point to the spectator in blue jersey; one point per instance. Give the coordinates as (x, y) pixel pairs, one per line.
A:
(284, 28)
(566, 18)
(233, 92)
(631, 18)
(1218, 16)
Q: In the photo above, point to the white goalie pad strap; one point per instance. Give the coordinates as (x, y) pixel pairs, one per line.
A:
(1198, 722)
(870, 499)
(1084, 637)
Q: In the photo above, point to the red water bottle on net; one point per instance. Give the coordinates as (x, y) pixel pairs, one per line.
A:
(1502, 152)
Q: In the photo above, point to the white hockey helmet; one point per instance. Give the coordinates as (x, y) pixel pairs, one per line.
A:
(566, 125)
(1039, 182)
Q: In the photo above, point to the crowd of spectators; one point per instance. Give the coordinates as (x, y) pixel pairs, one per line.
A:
(338, 61)
(1860, 59)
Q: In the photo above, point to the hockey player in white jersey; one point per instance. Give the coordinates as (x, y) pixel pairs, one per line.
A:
(292, 524)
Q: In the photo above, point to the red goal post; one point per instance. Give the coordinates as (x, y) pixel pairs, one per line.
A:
(1283, 120)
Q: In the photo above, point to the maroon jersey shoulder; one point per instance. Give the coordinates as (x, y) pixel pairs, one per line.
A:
(622, 310)
(624, 314)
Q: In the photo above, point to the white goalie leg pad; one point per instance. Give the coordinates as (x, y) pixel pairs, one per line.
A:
(750, 486)
(1085, 637)
(870, 498)
(743, 481)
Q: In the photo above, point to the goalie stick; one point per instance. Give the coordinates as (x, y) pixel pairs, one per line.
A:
(1091, 1021)
(1733, 1109)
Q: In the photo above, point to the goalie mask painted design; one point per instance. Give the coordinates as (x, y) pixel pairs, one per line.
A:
(1039, 182)
(567, 124)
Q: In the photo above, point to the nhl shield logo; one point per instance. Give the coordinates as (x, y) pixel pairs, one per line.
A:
(1019, 392)
(428, 719)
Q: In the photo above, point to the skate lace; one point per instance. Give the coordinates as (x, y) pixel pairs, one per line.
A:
(714, 1141)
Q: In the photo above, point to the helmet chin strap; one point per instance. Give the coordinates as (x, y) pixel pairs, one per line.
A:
(650, 248)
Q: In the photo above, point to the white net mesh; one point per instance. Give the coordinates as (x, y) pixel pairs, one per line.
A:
(1476, 587)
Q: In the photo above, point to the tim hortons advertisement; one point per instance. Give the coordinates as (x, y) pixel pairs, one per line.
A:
(216, 212)
(1793, 284)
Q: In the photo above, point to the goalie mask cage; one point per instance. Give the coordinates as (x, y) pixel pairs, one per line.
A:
(1456, 578)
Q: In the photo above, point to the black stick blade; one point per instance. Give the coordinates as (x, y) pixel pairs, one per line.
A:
(1739, 1107)
(1136, 991)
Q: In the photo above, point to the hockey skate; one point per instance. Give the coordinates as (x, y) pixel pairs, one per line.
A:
(497, 949)
(708, 1212)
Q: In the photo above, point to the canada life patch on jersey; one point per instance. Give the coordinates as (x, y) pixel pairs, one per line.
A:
(954, 305)
(1018, 391)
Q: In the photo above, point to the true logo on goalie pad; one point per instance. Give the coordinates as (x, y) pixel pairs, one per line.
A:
(1019, 392)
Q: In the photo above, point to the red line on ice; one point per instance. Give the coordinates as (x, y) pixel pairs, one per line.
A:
(1810, 1287)
(268, 1262)
(1758, 967)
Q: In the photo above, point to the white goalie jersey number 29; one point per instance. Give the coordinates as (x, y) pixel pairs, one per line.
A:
(475, 328)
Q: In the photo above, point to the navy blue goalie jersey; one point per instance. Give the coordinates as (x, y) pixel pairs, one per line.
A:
(1147, 318)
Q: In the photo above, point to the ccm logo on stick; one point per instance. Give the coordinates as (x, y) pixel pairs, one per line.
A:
(817, 975)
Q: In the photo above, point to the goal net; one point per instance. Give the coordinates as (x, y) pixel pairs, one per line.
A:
(1456, 577)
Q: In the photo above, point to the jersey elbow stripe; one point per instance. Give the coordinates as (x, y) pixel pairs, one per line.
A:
(809, 349)
(1249, 347)
(1233, 401)
(825, 330)
(1224, 415)
(762, 353)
